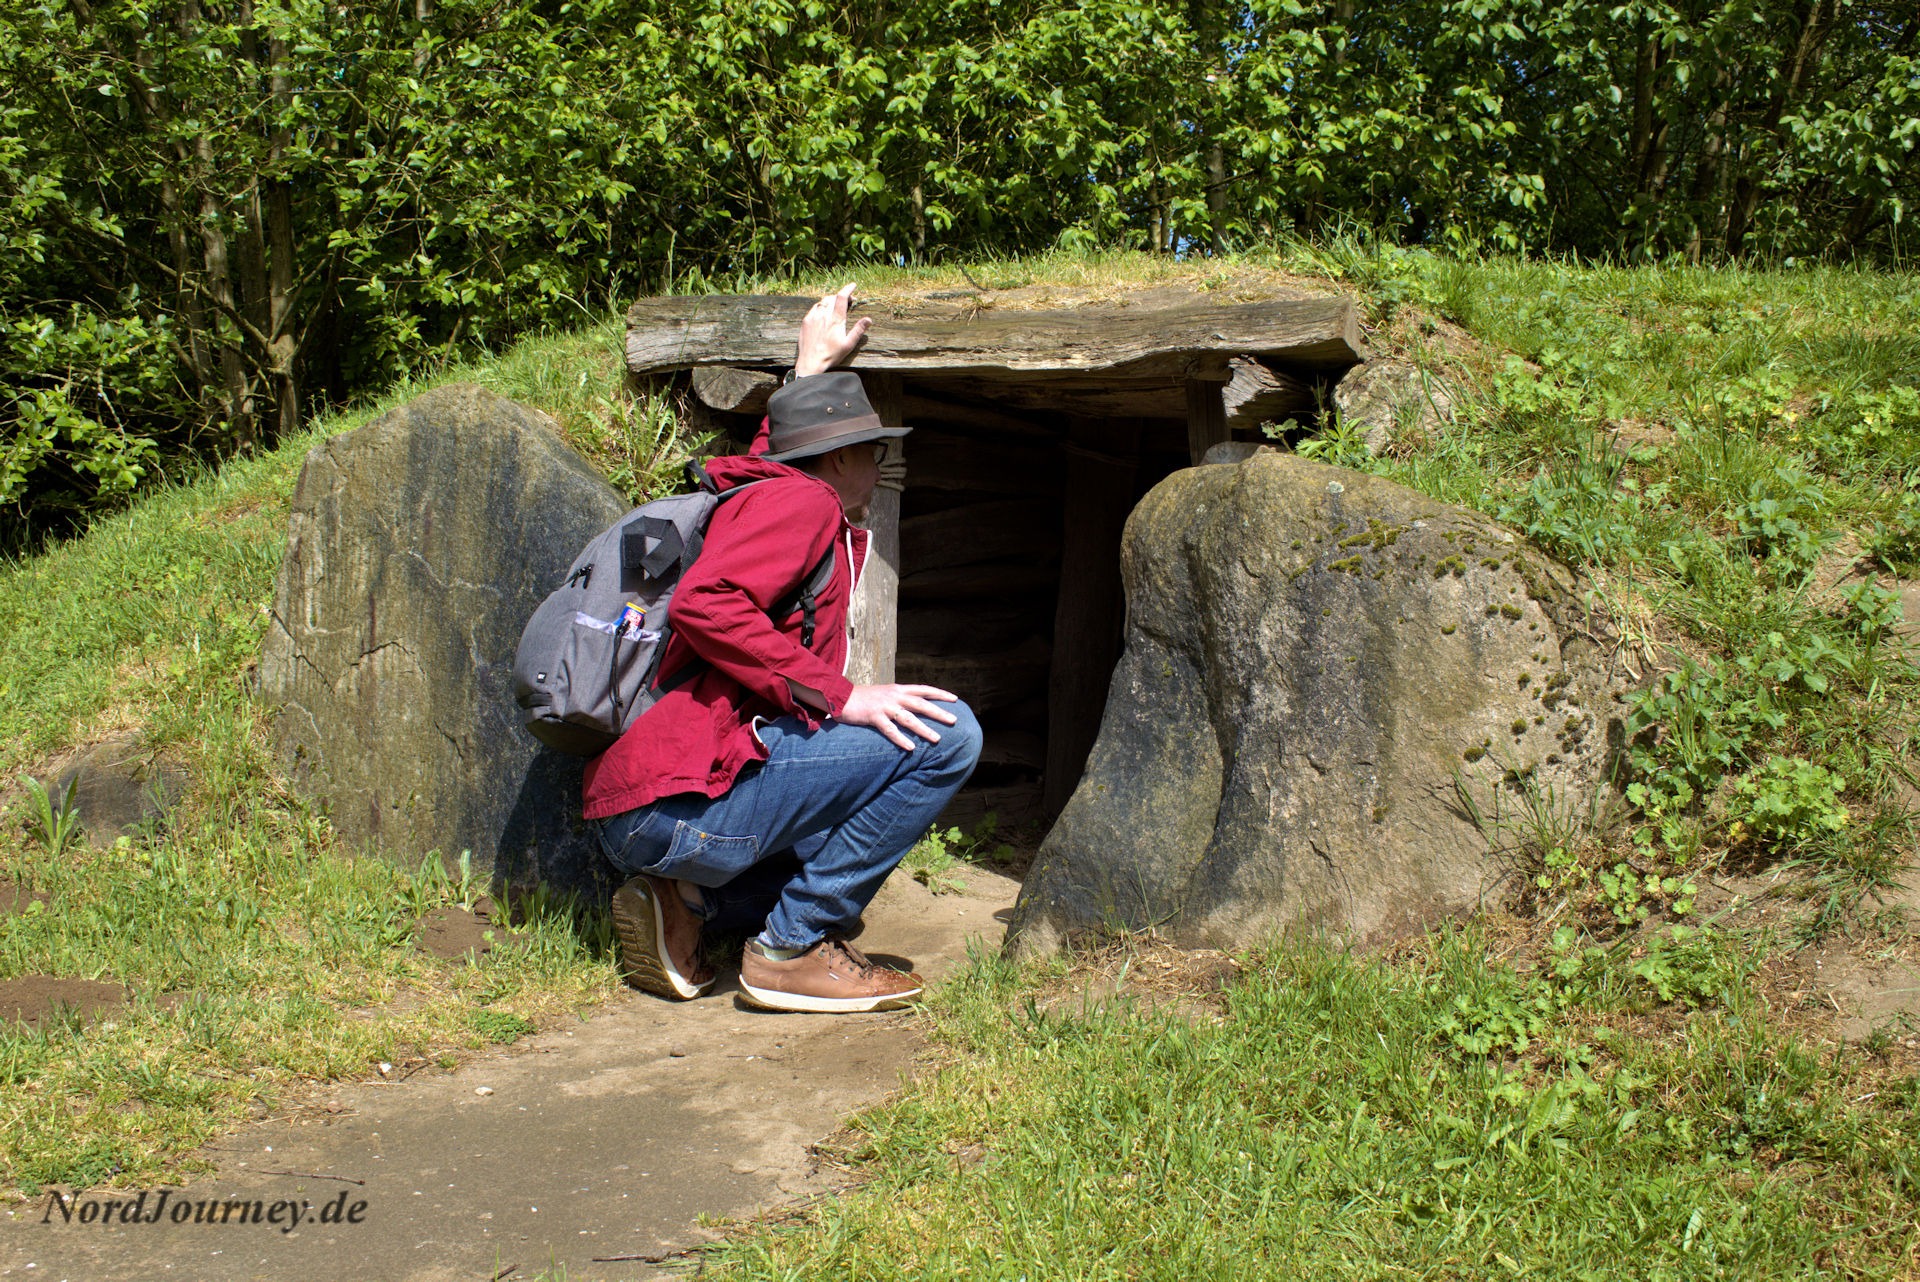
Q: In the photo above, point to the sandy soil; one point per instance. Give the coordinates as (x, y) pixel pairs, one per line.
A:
(455, 932)
(34, 999)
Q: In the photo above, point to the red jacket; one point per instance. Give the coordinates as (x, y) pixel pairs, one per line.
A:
(760, 547)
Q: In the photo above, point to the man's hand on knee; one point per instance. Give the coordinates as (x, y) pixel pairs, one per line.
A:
(896, 709)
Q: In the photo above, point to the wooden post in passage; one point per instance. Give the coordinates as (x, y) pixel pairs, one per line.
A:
(873, 622)
(1089, 615)
(1206, 417)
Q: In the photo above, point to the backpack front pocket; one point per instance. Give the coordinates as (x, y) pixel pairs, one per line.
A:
(602, 668)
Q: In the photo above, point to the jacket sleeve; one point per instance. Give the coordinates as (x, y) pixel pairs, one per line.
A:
(760, 548)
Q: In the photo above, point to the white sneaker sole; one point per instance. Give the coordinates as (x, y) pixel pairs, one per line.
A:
(651, 968)
(774, 999)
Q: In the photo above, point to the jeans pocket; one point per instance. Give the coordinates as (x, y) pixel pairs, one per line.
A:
(706, 858)
(636, 840)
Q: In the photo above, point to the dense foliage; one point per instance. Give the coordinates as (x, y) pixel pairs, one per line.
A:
(215, 212)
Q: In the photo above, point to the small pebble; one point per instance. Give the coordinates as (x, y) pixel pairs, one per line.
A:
(678, 1052)
(483, 1090)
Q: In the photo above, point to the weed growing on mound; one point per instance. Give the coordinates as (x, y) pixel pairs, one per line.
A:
(937, 860)
(1442, 1115)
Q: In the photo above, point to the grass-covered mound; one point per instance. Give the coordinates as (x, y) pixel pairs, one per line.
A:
(1730, 457)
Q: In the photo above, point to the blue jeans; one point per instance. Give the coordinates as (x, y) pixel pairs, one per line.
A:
(803, 840)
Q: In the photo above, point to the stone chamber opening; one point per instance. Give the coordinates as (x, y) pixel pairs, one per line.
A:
(1035, 434)
(1009, 568)
(1010, 591)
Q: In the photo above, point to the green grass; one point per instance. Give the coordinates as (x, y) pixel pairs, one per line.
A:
(1443, 1116)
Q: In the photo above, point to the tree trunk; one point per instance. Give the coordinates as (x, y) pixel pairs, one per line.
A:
(1747, 188)
(1645, 66)
(213, 252)
(422, 14)
(283, 332)
(1707, 175)
(250, 267)
(1217, 195)
(919, 224)
(1647, 141)
(186, 294)
(174, 216)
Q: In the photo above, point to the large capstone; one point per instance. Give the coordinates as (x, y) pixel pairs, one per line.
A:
(1325, 676)
(419, 546)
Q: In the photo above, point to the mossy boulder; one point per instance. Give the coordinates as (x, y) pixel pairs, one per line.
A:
(418, 547)
(1318, 663)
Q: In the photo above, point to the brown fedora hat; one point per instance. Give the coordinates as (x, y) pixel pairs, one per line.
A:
(820, 413)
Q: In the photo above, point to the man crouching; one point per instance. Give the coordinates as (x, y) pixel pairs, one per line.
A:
(764, 789)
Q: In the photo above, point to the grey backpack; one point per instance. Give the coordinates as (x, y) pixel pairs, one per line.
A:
(587, 660)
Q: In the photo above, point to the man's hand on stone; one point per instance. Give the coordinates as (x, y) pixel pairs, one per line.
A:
(825, 340)
(890, 709)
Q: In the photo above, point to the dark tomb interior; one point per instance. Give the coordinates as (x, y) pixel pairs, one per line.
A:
(1010, 592)
(1010, 595)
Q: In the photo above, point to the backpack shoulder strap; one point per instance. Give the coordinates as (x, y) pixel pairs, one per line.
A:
(806, 597)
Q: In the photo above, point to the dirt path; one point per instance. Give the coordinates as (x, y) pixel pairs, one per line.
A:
(606, 1139)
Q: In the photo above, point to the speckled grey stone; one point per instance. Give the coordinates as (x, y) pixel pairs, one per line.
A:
(1384, 400)
(119, 786)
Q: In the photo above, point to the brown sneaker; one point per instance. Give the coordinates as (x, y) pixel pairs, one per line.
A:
(659, 939)
(832, 976)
